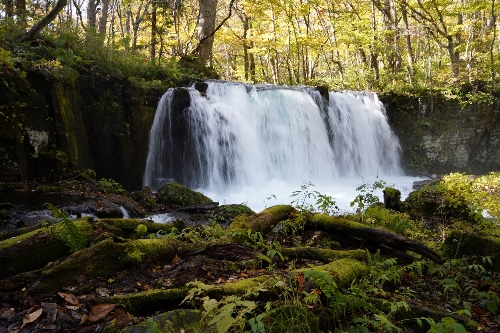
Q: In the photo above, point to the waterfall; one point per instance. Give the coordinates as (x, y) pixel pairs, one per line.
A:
(237, 135)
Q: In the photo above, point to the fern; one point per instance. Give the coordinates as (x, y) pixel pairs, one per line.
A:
(340, 304)
(67, 231)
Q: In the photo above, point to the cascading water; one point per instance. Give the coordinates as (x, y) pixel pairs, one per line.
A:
(242, 138)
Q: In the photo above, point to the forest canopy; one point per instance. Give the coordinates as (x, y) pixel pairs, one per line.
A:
(375, 44)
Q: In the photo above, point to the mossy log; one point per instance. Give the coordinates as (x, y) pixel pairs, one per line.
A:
(35, 249)
(344, 271)
(373, 237)
(343, 226)
(322, 254)
(262, 222)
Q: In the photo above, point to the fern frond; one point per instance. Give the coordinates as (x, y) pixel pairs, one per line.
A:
(67, 231)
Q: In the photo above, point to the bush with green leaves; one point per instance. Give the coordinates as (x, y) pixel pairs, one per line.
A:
(111, 186)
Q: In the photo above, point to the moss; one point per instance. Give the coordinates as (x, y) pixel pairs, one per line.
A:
(173, 321)
(131, 224)
(148, 301)
(47, 189)
(344, 271)
(161, 248)
(101, 259)
(176, 194)
(324, 255)
(57, 159)
(392, 198)
(262, 222)
(459, 244)
(35, 249)
(291, 318)
(157, 299)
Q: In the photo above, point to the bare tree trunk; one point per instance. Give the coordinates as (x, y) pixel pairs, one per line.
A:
(91, 14)
(9, 8)
(103, 21)
(21, 10)
(409, 50)
(152, 51)
(493, 38)
(44, 21)
(206, 26)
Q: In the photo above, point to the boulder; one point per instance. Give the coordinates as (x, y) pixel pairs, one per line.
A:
(179, 195)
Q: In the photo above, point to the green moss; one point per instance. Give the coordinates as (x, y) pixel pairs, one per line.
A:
(344, 271)
(149, 301)
(324, 255)
(459, 244)
(291, 318)
(179, 320)
(262, 222)
(35, 249)
(101, 259)
(176, 194)
(131, 224)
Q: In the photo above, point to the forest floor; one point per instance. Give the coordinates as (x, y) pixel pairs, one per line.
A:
(448, 296)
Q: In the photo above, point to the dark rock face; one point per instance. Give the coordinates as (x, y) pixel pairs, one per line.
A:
(53, 127)
(444, 134)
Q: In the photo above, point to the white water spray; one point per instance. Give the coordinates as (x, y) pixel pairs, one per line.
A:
(243, 139)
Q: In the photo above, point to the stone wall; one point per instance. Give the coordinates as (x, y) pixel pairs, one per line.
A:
(441, 133)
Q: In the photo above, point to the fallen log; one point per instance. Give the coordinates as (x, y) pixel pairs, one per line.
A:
(343, 226)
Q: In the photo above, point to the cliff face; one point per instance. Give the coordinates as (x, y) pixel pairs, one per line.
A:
(54, 126)
(445, 133)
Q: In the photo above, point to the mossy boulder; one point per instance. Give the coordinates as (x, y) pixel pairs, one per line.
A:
(176, 194)
(434, 204)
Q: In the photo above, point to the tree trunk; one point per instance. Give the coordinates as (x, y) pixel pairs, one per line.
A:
(21, 10)
(91, 14)
(206, 27)
(409, 50)
(44, 21)
(152, 51)
(9, 8)
(103, 21)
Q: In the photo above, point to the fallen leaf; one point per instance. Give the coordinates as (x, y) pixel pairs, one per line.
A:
(71, 299)
(8, 314)
(301, 281)
(80, 279)
(138, 284)
(31, 317)
(479, 311)
(100, 311)
(84, 318)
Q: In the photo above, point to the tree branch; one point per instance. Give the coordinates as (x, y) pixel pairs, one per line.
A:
(44, 21)
(195, 50)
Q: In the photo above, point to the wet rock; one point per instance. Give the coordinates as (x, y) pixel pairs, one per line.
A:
(107, 209)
